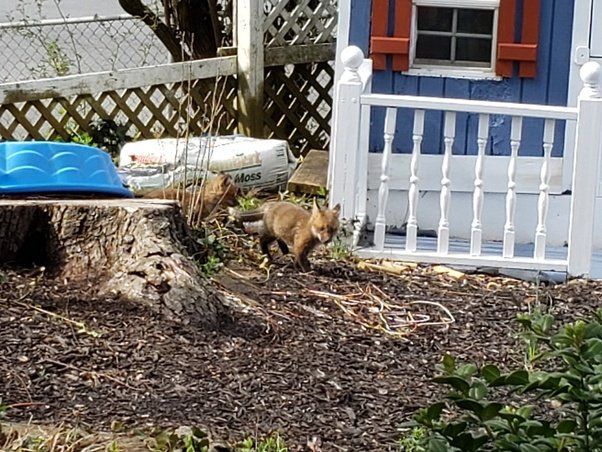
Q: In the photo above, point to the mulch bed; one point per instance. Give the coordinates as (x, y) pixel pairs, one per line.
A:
(313, 356)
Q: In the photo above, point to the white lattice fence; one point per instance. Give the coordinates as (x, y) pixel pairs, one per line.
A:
(295, 22)
(298, 95)
(298, 103)
(165, 106)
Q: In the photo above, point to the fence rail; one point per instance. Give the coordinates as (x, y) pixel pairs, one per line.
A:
(281, 77)
(351, 172)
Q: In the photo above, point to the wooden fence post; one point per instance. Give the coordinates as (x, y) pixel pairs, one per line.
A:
(345, 134)
(249, 35)
(588, 147)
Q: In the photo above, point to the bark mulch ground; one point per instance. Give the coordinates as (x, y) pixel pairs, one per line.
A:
(318, 356)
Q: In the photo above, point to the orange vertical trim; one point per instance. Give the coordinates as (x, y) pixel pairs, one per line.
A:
(505, 35)
(380, 22)
(530, 35)
(403, 26)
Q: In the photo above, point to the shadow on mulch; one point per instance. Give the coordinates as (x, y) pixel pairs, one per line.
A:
(293, 360)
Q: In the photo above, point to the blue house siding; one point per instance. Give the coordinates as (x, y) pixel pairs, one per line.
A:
(550, 87)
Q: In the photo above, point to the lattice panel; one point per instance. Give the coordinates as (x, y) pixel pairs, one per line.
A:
(295, 22)
(150, 112)
(298, 104)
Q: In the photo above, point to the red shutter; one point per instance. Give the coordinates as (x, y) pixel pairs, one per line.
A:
(530, 36)
(509, 51)
(398, 45)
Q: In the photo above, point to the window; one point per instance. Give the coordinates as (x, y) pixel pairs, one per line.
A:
(454, 36)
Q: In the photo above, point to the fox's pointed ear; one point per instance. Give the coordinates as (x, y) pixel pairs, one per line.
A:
(315, 209)
(337, 209)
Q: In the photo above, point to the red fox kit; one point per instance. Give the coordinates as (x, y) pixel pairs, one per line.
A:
(292, 226)
(220, 190)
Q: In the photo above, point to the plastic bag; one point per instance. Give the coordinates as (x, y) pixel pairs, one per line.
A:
(167, 162)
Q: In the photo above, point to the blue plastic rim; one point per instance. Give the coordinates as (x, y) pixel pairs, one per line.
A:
(39, 167)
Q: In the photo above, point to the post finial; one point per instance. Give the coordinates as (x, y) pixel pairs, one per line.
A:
(590, 76)
(352, 58)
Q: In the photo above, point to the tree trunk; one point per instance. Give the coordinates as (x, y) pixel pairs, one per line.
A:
(191, 29)
(137, 249)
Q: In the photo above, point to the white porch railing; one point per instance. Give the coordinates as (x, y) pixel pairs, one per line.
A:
(348, 178)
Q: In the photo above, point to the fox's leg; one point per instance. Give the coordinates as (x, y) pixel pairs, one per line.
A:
(301, 258)
(264, 243)
(283, 246)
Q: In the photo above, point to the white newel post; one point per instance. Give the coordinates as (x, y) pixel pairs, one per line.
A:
(250, 58)
(588, 147)
(345, 134)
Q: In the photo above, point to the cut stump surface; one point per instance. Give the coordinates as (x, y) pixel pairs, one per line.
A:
(138, 249)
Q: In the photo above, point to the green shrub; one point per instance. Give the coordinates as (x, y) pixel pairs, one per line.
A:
(569, 396)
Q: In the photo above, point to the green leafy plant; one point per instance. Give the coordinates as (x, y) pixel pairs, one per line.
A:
(248, 201)
(301, 200)
(273, 443)
(471, 419)
(76, 136)
(340, 248)
(322, 192)
(342, 245)
(214, 250)
(57, 58)
(184, 439)
(536, 327)
(413, 441)
(212, 266)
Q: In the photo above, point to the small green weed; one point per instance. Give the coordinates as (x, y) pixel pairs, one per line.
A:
(340, 248)
(212, 266)
(273, 443)
(414, 440)
(248, 201)
(535, 326)
(80, 137)
(57, 59)
(214, 250)
(184, 439)
(322, 192)
(301, 200)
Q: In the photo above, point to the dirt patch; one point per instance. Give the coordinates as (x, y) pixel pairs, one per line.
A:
(296, 358)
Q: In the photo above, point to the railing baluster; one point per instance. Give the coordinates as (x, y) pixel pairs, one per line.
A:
(544, 188)
(509, 233)
(449, 134)
(476, 233)
(412, 226)
(383, 191)
(362, 183)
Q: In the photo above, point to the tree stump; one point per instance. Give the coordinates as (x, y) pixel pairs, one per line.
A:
(138, 249)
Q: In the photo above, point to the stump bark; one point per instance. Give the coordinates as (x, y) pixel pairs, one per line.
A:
(138, 249)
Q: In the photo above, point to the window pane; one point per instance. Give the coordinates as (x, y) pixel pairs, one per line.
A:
(478, 21)
(435, 19)
(433, 47)
(473, 49)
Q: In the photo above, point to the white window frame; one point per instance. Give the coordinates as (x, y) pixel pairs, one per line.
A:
(456, 71)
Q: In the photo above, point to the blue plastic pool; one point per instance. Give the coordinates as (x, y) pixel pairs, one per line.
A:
(44, 167)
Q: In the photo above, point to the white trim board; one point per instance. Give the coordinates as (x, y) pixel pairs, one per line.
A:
(463, 259)
(462, 173)
(113, 80)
